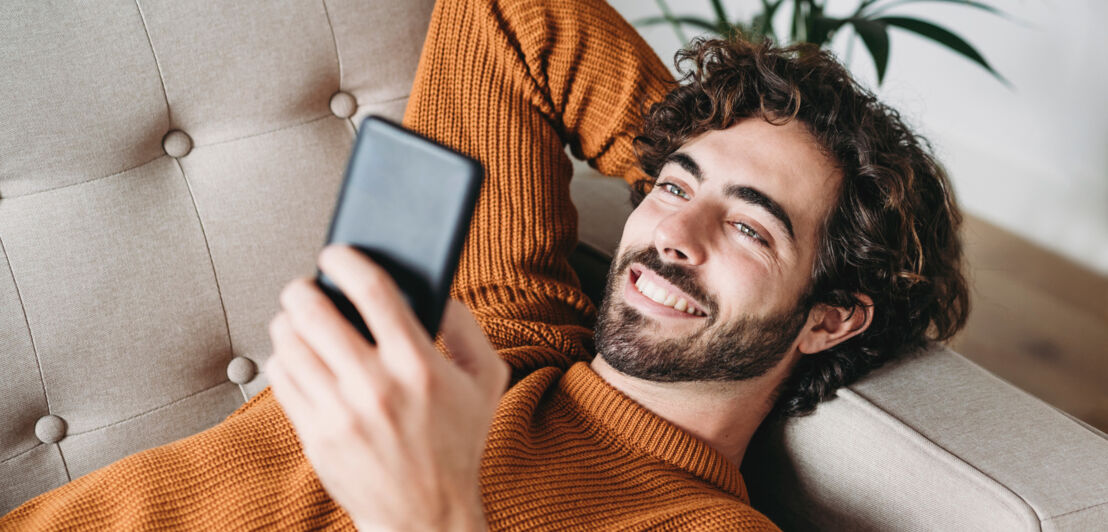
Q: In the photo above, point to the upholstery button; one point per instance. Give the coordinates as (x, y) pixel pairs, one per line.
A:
(177, 143)
(50, 429)
(343, 104)
(241, 370)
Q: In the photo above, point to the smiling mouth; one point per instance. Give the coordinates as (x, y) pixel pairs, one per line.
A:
(654, 288)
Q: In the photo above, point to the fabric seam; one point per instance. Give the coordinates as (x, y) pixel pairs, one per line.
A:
(92, 180)
(21, 453)
(266, 132)
(152, 410)
(102, 427)
(334, 40)
(27, 323)
(215, 273)
(157, 64)
(34, 349)
(1079, 510)
(65, 465)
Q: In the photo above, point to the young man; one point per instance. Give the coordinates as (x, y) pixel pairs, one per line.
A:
(791, 235)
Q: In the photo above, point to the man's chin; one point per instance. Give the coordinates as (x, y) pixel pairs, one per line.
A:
(639, 346)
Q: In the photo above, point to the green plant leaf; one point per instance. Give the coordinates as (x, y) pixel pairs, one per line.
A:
(717, 6)
(968, 3)
(667, 14)
(762, 24)
(692, 21)
(864, 4)
(799, 31)
(759, 28)
(944, 37)
(824, 28)
(875, 35)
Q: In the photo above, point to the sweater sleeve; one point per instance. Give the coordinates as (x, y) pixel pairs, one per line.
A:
(511, 83)
(246, 473)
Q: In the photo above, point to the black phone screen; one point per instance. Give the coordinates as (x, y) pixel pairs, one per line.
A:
(406, 202)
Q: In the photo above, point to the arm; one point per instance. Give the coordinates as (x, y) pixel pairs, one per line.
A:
(484, 88)
(511, 82)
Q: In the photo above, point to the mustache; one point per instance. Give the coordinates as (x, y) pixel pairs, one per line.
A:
(680, 276)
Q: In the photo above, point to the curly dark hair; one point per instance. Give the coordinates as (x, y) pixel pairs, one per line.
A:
(893, 234)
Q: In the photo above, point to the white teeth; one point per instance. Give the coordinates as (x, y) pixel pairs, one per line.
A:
(658, 295)
(661, 296)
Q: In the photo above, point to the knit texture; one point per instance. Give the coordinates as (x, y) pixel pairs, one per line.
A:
(509, 82)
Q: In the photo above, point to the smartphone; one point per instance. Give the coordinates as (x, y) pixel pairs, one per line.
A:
(406, 202)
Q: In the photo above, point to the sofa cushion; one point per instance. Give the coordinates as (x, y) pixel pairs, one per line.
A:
(165, 168)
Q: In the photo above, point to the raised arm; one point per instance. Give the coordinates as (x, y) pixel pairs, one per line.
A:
(511, 82)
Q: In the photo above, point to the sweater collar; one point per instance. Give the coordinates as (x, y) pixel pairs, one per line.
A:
(633, 424)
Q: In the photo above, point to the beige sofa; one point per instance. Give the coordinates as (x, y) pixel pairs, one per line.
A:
(166, 167)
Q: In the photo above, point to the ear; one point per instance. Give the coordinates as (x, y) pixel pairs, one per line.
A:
(830, 326)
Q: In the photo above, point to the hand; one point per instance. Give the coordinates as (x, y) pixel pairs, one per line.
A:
(395, 431)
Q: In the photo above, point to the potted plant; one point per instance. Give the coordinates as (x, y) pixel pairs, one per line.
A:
(870, 20)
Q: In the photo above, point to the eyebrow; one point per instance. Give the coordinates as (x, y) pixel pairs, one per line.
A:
(741, 192)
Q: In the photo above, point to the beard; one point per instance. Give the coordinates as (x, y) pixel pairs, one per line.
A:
(740, 350)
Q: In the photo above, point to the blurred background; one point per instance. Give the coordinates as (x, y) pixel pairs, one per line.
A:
(1025, 149)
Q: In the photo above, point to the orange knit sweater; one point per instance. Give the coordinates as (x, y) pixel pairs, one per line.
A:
(509, 82)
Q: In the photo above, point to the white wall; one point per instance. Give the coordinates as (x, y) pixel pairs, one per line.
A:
(1032, 158)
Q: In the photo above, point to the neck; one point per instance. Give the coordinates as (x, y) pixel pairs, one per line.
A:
(722, 414)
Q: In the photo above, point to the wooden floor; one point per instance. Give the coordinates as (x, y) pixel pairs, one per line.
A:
(1038, 321)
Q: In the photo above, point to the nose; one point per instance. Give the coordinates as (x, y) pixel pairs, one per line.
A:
(681, 237)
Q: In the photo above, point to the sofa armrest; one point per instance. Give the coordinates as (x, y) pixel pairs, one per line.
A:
(932, 441)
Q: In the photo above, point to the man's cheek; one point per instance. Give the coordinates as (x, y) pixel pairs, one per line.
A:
(637, 229)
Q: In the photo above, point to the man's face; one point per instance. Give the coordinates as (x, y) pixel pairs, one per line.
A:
(713, 263)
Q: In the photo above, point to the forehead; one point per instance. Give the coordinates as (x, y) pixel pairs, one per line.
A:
(784, 162)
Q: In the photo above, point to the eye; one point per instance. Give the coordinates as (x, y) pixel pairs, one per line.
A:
(749, 232)
(673, 189)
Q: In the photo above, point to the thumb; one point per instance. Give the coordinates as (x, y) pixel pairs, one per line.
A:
(471, 349)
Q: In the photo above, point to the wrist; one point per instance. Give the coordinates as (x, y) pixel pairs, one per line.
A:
(467, 515)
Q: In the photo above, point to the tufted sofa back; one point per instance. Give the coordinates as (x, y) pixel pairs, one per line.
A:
(165, 168)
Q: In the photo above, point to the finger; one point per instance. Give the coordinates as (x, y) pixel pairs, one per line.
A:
(297, 408)
(377, 297)
(301, 365)
(362, 380)
(315, 425)
(344, 351)
(471, 349)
